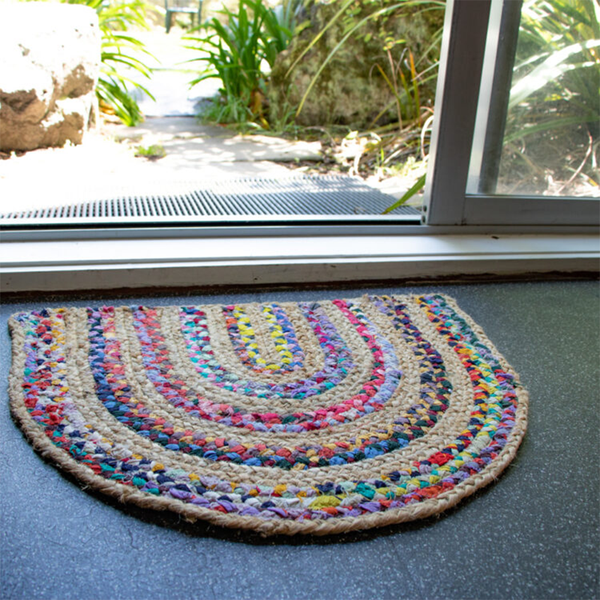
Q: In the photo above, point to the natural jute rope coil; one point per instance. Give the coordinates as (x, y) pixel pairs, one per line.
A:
(284, 418)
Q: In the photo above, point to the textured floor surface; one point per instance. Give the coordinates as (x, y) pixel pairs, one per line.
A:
(533, 535)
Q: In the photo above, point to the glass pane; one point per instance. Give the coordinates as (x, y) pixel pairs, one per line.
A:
(547, 143)
(346, 89)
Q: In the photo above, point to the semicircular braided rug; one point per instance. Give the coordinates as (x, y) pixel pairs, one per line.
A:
(308, 417)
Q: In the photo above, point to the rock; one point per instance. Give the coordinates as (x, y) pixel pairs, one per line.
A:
(350, 90)
(49, 66)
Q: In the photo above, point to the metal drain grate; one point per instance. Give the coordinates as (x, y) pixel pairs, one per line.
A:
(253, 199)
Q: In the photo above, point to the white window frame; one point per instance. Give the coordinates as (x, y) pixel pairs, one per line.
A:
(469, 53)
(462, 234)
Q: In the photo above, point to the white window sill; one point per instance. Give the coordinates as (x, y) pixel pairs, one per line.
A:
(170, 261)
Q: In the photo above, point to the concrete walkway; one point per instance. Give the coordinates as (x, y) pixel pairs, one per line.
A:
(175, 67)
(188, 144)
(103, 166)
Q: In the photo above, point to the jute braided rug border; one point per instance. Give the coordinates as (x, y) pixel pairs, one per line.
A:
(283, 418)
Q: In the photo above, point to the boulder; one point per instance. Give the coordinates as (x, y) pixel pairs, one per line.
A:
(351, 90)
(49, 66)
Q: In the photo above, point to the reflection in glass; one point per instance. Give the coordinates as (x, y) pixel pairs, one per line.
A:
(551, 134)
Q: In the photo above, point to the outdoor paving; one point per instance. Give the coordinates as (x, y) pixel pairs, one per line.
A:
(101, 166)
(189, 143)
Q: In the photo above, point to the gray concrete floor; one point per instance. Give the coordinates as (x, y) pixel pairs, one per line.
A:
(534, 534)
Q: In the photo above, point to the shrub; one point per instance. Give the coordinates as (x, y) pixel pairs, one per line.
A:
(120, 55)
(241, 53)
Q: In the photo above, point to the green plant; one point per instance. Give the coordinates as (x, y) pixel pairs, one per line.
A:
(240, 54)
(234, 56)
(153, 152)
(278, 26)
(404, 83)
(558, 59)
(415, 189)
(408, 73)
(120, 55)
(353, 22)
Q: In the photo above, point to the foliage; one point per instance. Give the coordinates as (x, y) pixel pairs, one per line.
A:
(558, 56)
(415, 189)
(353, 16)
(555, 101)
(408, 72)
(119, 56)
(153, 152)
(241, 53)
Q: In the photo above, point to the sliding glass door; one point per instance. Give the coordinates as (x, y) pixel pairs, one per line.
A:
(518, 129)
